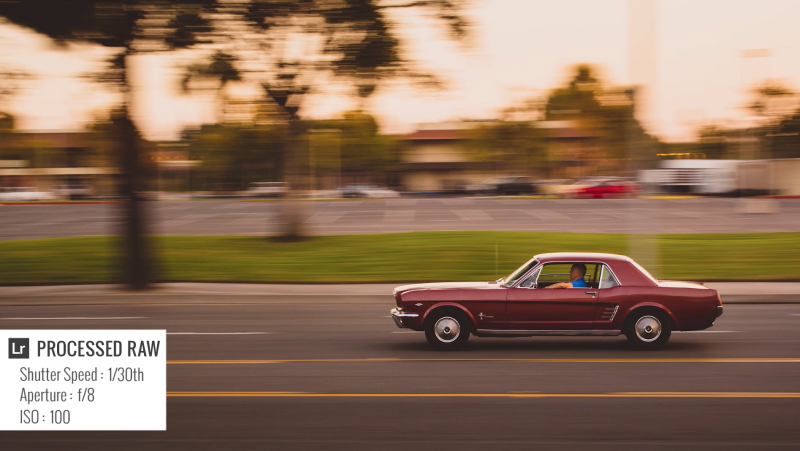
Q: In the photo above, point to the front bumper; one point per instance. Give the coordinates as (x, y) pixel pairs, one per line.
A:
(719, 311)
(398, 315)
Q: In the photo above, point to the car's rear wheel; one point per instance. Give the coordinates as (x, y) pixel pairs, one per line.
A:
(447, 330)
(648, 329)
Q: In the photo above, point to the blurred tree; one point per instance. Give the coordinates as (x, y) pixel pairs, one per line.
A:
(234, 155)
(297, 47)
(713, 142)
(220, 70)
(10, 82)
(606, 112)
(357, 38)
(772, 103)
(772, 100)
(6, 122)
(352, 146)
(786, 137)
(132, 26)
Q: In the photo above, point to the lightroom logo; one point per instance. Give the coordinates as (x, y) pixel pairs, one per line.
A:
(19, 348)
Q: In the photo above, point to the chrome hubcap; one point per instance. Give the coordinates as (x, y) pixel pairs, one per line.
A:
(648, 328)
(447, 329)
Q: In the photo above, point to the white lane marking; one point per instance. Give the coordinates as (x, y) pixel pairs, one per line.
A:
(707, 331)
(552, 215)
(530, 213)
(326, 217)
(398, 215)
(405, 332)
(78, 318)
(794, 314)
(472, 215)
(400, 202)
(185, 219)
(220, 333)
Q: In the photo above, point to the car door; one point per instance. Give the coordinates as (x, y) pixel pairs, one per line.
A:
(531, 306)
(610, 295)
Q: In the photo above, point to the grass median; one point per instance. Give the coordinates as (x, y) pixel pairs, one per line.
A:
(419, 256)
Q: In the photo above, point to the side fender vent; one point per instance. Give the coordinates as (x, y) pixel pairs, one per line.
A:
(609, 313)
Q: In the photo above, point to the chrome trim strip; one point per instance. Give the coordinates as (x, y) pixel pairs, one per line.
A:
(614, 314)
(525, 276)
(533, 333)
(398, 315)
(600, 280)
(605, 266)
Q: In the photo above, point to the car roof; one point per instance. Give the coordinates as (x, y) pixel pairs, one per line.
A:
(580, 256)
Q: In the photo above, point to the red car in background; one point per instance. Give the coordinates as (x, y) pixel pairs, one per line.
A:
(597, 187)
(620, 297)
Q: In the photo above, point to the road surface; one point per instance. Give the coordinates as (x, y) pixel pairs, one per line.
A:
(236, 217)
(327, 375)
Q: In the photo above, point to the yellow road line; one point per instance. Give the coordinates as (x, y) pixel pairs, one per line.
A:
(632, 360)
(220, 394)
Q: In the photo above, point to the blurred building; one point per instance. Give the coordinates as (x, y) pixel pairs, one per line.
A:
(434, 159)
(48, 160)
(173, 167)
(439, 157)
(573, 152)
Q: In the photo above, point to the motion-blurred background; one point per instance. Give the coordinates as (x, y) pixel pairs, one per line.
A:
(230, 128)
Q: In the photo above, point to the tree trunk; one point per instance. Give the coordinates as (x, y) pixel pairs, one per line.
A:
(134, 252)
(293, 211)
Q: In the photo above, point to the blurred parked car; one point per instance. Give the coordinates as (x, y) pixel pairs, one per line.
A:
(73, 191)
(268, 189)
(597, 187)
(504, 186)
(23, 193)
(368, 192)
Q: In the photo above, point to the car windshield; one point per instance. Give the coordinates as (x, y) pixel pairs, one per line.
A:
(508, 281)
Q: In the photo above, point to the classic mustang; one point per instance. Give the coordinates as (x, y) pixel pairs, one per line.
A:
(614, 296)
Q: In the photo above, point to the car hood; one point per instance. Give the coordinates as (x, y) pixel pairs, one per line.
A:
(443, 286)
(677, 284)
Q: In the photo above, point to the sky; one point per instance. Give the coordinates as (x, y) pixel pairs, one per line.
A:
(699, 71)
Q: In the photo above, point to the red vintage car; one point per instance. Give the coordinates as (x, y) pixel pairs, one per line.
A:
(597, 187)
(620, 297)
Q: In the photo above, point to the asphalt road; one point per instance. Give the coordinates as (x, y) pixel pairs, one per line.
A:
(341, 376)
(236, 217)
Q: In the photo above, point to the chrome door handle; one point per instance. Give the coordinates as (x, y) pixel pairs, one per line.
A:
(593, 293)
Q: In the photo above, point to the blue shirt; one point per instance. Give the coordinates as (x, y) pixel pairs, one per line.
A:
(578, 283)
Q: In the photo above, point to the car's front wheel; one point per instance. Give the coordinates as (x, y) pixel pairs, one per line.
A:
(649, 330)
(447, 331)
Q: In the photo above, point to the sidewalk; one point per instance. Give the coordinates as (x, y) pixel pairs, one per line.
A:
(731, 292)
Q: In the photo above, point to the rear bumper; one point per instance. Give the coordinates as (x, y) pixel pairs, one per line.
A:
(398, 315)
(719, 311)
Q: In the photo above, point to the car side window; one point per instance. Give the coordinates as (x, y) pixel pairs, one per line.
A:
(552, 273)
(530, 282)
(607, 279)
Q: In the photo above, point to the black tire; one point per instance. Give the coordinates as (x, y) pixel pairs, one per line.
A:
(648, 329)
(447, 330)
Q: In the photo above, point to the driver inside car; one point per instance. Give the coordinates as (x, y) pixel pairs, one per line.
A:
(576, 274)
